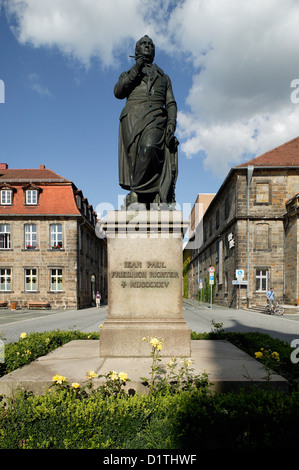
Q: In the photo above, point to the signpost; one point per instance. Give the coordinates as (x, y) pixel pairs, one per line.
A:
(240, 282)
(200, 287)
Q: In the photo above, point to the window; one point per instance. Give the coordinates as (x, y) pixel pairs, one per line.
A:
(56, 280)
(5, 279)
(56, 236)
(30, 236)
(31, 196)
(30, 280)
(263, 193)
(261, 280)
(6, 197)
(4, 236)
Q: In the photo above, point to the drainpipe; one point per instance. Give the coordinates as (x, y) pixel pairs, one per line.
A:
(79, 264)
(250, 169)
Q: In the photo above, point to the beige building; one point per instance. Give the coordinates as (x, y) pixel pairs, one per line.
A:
(49, 251)
(250, 229)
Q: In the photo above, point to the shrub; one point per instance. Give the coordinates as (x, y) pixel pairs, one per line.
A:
(187, 420)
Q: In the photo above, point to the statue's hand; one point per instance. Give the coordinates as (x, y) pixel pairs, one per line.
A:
(140, 61)
(169, 134)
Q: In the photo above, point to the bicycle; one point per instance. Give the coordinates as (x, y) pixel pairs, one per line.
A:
(276, 309)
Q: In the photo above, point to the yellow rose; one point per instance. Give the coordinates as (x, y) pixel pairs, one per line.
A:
(59, 379)
(123, 376)
(23, 335)
(90, 374)
(258, 354)
(75, 385)
(275, 356)
(114, 376)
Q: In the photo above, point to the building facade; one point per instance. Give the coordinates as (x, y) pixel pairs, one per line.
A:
(251, 228)
(49, 251)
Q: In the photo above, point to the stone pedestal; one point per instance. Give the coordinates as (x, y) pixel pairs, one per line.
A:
(144, 284)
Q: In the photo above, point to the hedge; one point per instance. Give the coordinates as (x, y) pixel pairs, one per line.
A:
(189, 420)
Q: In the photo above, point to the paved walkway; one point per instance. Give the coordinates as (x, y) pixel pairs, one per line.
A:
(228, 368)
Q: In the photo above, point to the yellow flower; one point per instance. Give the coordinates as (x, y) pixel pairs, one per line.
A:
(59, 379)
(90, 374)
(275, 356)
(189, 362)
(23, 335)
(156, 343)
(144, 338)
(101, 326)
(75, 385)
(123, 376)
(113, 376)
(258, 355)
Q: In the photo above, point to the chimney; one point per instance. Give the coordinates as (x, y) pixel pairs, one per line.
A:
(3, 166)
(42, 167)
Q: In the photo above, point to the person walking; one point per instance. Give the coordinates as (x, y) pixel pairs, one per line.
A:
(98, 299)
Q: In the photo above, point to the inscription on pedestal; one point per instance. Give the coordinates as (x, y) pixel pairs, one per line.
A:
(150, 274)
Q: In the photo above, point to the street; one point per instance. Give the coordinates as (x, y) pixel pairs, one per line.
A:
(198, 317)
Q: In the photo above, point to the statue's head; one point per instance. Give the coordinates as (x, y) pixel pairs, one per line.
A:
(145, 47)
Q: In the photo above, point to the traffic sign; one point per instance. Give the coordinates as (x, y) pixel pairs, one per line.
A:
(211, 269)
(240, 282)
(240, 274)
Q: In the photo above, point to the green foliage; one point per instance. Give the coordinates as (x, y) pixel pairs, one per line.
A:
(205, 295)
(186, 268)
(31, 347)
(172, 378)
(178, 417)
(187, 420)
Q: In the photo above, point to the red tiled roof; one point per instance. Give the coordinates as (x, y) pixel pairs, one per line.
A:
(54, 199)
(37, 175)
(286, 155)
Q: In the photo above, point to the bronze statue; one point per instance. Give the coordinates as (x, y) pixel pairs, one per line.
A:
(148, 165)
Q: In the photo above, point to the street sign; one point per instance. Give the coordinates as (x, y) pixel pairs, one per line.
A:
(240, 283)
(211, 269)
(240, 274)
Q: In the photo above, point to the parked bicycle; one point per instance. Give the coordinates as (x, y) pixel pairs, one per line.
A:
(276, 309)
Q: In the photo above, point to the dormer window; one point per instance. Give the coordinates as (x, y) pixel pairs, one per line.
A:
(6, 197)
(31, 196)
(6, 194)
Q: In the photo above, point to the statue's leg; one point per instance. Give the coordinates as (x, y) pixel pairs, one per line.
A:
(149, 163)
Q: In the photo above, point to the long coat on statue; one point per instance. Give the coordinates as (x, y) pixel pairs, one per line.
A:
(146, 165)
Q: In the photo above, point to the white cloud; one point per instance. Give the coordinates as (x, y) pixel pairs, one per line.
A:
(80, 28)
(244, 54)
(35, 85)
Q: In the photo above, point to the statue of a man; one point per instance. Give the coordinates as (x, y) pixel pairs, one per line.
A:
(147, 145)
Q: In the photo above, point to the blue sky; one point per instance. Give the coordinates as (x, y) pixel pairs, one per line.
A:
(231, 64)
